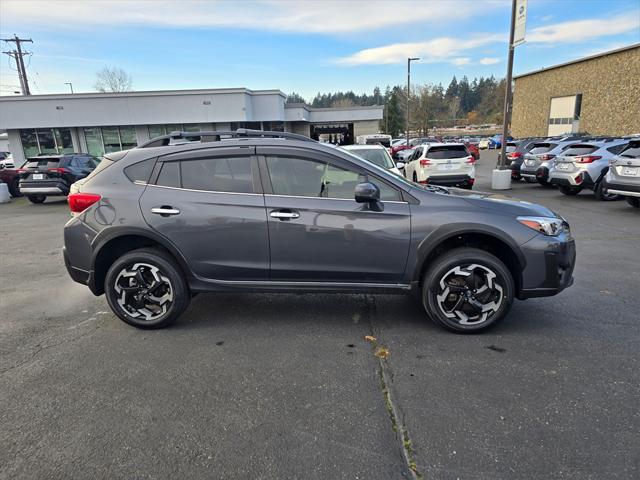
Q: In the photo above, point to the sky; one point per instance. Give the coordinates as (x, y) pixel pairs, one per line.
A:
(298, 46)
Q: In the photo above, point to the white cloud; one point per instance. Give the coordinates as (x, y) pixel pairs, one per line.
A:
(461, 61)
(318, 16)
(581, 30)
(443, 49)
(489, 61)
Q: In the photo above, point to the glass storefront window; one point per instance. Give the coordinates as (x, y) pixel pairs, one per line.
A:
(128, 137)
(93, 136)
(29, 143)
(47, 143)
(156, 131)
(197, 127)
(63, 140)
(111, 139)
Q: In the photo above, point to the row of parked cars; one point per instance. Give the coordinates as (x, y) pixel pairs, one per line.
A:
(609, 166)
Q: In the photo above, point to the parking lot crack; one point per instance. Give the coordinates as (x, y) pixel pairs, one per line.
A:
(391, 397)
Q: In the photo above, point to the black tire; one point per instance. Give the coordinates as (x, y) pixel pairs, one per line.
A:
(36, 198)
(571, 191)
(171, 285)
(14, 188)
(633, 201)
(497, 277)
(415, 177)
(600, 194)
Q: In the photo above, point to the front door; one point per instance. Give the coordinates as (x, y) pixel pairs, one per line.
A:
(209, 203)
(318, 232)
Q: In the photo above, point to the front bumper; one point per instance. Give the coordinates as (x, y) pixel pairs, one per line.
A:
(550, 264)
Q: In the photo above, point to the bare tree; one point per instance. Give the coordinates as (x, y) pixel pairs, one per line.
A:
(112, 79)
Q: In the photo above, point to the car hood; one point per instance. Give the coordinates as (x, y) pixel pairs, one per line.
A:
(502, 203)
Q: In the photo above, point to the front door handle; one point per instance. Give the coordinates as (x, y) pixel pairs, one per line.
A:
(284, 214)
(165, 211)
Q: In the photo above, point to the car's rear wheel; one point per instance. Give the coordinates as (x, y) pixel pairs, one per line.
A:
(571, 191)
(633, 201)
(146, 289)
(14, 188)
(415, 177)
(37, 198)
(467, 290)
(600, 193)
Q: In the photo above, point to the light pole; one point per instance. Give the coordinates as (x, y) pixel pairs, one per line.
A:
(409, 60)
(70, 85)
(506, 112)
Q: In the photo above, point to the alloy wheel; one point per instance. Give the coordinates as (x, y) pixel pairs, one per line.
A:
(143, 292)
(469, 294)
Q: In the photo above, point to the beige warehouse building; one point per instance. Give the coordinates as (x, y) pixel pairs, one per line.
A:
(599, 95)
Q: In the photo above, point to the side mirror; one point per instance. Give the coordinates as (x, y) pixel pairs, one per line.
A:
(369, 193)
(400, 165)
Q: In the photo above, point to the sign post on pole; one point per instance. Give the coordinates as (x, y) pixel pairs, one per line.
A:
(501, 178)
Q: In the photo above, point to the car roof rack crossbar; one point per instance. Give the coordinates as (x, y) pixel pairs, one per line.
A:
(217, 135)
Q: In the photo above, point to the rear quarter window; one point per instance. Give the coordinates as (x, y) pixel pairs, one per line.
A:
(139, 172)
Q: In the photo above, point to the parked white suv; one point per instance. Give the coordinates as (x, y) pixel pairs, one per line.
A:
(584, 165)
(448, 164)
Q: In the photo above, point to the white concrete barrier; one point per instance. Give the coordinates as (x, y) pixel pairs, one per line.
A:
(501, 179)
(4, 193)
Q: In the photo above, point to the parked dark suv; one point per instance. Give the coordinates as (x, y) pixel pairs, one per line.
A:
(278, 212)
(52, 175)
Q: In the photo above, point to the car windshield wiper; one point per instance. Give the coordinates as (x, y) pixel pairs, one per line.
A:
(433, 188)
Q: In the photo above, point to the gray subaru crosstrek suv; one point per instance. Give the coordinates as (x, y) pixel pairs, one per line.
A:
(277, 212)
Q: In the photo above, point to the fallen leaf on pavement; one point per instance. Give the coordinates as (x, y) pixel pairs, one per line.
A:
(369, 338)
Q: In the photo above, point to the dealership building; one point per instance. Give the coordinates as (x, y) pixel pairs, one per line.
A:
(597, 95)
(99, 123)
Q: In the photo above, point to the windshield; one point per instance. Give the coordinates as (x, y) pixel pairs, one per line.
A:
(379, 156)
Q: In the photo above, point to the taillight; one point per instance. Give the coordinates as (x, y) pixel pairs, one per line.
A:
(514, 155)
(58, 170)
(470, 159)
(21, 170)
(425, 162)
(79, 202)
(587, 159)
(546, 156)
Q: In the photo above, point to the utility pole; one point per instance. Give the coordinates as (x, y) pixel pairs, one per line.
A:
(506, 112)
(70, 86)
(18, 55)
(409, 60)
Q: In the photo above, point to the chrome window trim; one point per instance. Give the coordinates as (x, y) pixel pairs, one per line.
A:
(194, 190)
(327, 198)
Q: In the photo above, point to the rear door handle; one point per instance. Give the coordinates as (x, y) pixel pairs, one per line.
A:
(284, 214)
(165, 211)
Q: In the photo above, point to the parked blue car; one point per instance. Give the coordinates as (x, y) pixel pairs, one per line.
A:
(495, 142)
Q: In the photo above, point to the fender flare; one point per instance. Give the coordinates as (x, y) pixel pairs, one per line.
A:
(435, 238)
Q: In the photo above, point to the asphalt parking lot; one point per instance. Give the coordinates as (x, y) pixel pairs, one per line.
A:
(286, 386)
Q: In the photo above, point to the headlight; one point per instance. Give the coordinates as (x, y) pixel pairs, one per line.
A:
(546, 225)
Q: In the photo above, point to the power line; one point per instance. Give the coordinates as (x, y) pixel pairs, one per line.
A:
(17, 54)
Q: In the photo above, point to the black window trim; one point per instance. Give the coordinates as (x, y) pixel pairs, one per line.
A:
(296, 152)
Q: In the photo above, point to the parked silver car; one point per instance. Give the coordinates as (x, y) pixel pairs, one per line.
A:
(584, 165)
(623, 177)
(540, 159)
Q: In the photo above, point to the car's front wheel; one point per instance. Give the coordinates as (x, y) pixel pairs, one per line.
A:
(37, 198)
(146, 289)
(467, 290)
(14, 188)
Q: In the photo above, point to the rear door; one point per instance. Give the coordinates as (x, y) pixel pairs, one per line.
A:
(318, 232)
(209, 204)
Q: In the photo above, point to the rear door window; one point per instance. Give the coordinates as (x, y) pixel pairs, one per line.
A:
(232, 174)
(447, 151)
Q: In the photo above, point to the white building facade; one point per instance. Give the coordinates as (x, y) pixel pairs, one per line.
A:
(99, 123)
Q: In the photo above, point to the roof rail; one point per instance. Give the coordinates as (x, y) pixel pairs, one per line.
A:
(216, 136)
